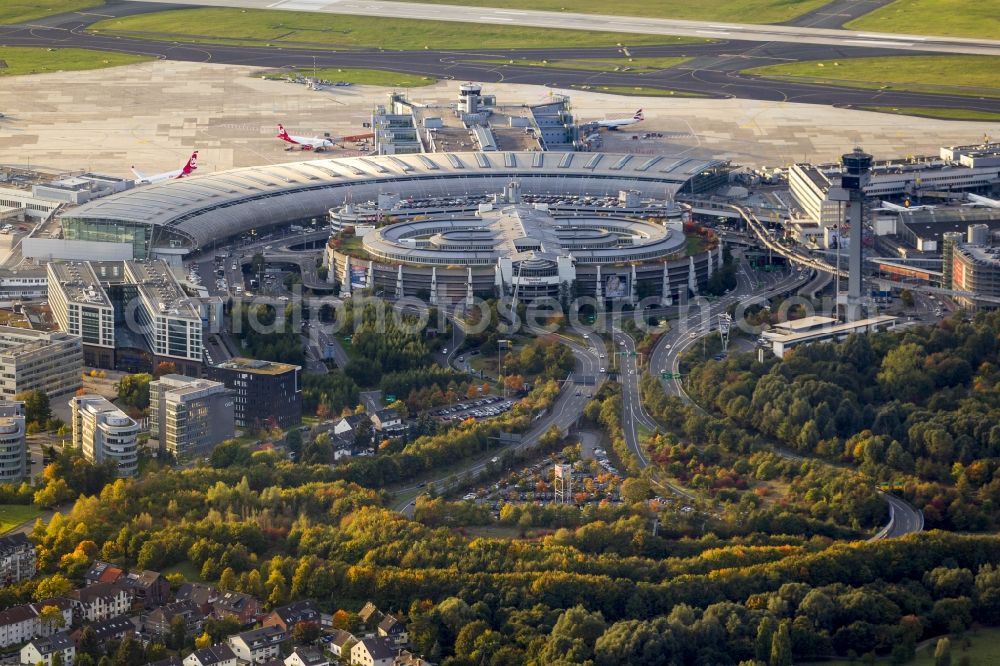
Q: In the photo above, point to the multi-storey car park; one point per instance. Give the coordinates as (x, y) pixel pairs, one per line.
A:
(511, 247)
(626, 256)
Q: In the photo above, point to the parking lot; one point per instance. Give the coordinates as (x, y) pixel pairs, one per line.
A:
(594, 481)
(484, 408)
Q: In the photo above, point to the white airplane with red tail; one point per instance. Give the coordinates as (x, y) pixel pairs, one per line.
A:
(316, 143)
(185, 170)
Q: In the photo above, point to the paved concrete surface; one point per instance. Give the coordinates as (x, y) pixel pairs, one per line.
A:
(627, 24)
(153, 114)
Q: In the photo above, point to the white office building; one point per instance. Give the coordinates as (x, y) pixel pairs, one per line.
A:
(104, 432)
(13, 450)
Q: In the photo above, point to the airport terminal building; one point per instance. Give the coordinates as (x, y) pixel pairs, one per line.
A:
(616, 258)
(203, 211)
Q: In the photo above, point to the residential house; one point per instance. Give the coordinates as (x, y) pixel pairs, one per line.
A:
(149, 587)
(241, 606)
(291, 614)
(373, 652)
(220, 604)
(63, 604)
(216, 655)
(370, 614)
(407, 658)
(388, 422)
(111, 629)
(102, 572)
(257, 645)
(17, 625)
(157, 622)
(394, 630)
(44, 650)
(349, 425)
(340, 642)
(22, 623)
(306, 656)
(17, 559)
(202, 596)
(101, 601)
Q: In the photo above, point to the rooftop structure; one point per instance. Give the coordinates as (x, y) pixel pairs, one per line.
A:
(811, 330)
(200, 211)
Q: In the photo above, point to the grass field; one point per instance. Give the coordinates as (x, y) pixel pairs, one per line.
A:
(738, 11)
(29, 60)
(954, 18)
(365, 77)
(640, 91)
(12, 515)
(975, 76)
(187, 569)
(984, 650)
(636, 65)
(303, 29)
(944, 114)
(19, 11)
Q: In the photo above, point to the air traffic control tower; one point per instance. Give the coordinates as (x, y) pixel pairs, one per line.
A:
(856, 173)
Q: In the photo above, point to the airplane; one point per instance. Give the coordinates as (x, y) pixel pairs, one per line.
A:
(615, 123)
(316, 143)
(976, 200)
(895, 208)
(185, 170)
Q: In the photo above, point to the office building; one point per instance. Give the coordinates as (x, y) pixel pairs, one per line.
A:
(131, 315)
(13, 450)
(82, 308)
(104, 432)
(50, 362)
(189, 417)
(263, 391)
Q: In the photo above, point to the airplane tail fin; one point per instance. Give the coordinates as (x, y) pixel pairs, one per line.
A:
(191, 165)
(282, 133)
(138, 174)
(638, 115)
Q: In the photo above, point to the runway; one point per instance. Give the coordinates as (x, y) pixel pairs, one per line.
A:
(713, 71)
(627, 24)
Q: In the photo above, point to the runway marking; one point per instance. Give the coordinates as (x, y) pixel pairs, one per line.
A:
(882, 37)
(711, 32)
(494, 18)
(507, 11)
(874, 42)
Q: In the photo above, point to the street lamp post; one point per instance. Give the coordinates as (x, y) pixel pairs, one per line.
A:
(503, 385)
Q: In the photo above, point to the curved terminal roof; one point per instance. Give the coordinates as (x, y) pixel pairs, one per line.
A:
(209, 207)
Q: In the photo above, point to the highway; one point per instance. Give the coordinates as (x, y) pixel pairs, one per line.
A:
(564, 412)
(794, 34)
(904, 518)
(714, 70)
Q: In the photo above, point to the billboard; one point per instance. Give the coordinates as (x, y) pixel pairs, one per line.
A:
(616, 287)
(359, 277)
